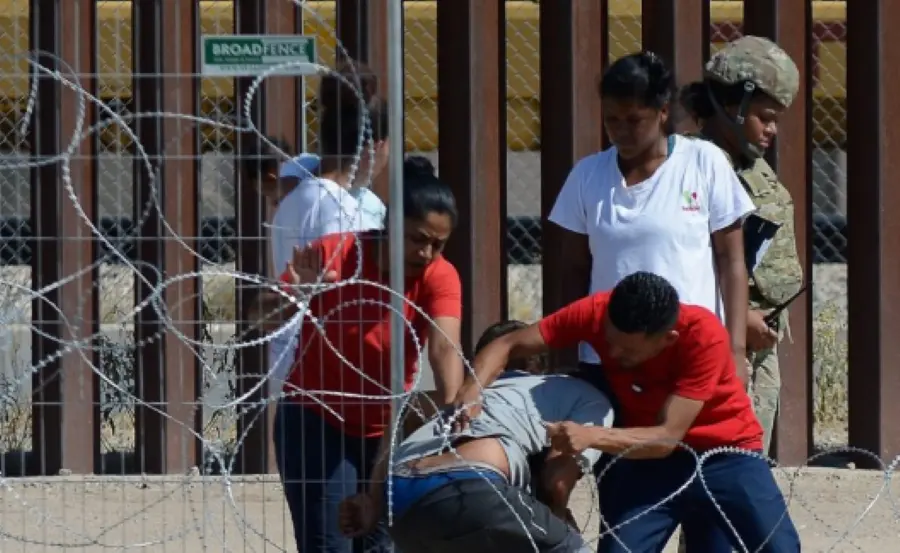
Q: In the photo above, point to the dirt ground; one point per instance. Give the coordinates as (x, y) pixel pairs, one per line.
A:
(188, 515)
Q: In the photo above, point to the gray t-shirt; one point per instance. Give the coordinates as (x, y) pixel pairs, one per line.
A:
(514, 411)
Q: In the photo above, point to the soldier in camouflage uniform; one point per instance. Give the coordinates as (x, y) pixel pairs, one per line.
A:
(745, 88)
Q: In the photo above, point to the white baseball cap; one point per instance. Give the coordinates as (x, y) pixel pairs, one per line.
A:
(300, 167)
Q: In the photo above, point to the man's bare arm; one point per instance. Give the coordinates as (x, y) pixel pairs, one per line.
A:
(558, 477)
(653, 442)
(650, 442)
(495, 357)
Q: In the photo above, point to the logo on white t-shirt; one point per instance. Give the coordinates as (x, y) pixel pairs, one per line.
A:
(690, 201)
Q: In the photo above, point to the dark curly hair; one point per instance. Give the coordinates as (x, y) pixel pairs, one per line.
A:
(643, 303)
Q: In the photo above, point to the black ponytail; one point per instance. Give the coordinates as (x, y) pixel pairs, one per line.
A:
(643, 77)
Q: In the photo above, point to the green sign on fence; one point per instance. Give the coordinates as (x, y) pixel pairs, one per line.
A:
(251, 55)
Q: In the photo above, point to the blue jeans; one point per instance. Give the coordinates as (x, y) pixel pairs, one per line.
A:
(319, 467)
(743, 486)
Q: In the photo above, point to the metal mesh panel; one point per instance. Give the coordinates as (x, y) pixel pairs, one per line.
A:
(15, 250)
(523, 183)
(829, 209)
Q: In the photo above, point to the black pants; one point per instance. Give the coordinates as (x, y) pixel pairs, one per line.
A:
(470, 516)
(320, 466)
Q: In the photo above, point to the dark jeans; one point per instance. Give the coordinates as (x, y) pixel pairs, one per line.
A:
(320, 466)
(743, 486)
(470, 516)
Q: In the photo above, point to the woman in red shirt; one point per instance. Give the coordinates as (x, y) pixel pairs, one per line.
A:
(337, 395)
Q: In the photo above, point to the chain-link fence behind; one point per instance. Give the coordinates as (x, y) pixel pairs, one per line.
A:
(156, 514)
(829, 203)
(15, 251)
(523, 181)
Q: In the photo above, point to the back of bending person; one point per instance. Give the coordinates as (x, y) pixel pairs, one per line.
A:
(474, 498)
(654, 202)
(745, 89)
(671, 368)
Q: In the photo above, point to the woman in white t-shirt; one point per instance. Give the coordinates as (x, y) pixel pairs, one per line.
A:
(655, 202)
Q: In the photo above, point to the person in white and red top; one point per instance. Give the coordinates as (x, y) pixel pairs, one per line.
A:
(654, 201)
(330, 424)
(670, 366)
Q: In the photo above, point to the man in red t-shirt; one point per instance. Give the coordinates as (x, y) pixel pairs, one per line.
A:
(671, 369)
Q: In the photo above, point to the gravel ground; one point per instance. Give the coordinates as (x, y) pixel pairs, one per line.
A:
(90, 515)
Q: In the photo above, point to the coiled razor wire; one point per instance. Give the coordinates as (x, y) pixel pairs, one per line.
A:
(84, 346)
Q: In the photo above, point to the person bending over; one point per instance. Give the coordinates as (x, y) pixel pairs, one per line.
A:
(446, 499)
(671, 368)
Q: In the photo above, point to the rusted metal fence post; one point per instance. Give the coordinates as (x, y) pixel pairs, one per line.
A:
(362, 32)
(472, 145)
(677, 30)
(573, 53)
(282, 97)
(873, 160)
(167, 220)
(65, 416)
(789, 24)
(352, 20)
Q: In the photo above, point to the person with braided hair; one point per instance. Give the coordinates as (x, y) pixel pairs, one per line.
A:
(671, 368)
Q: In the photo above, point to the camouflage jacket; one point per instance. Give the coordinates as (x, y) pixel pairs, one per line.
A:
(779, 273)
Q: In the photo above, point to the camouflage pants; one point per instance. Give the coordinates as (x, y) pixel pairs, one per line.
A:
(765, 388)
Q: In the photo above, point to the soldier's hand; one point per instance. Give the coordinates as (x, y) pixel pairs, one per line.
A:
(759, 336)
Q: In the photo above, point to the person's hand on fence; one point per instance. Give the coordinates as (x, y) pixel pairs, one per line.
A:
(358, 515)
(759, 336)
(569, 438)
(306, 267)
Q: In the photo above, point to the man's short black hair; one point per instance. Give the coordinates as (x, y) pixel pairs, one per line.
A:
(643, 303)
(262, 159)
(497, 330)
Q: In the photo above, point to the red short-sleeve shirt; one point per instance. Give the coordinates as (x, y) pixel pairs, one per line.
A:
(359, 333)
(698, 366)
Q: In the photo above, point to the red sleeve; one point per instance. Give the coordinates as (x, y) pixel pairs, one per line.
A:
(704, 356)
(443, 291)
(577, 322)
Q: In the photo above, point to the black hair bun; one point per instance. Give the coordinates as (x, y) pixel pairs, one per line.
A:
(418, 167)
(660, 76)
(694, 97)
(343, 89)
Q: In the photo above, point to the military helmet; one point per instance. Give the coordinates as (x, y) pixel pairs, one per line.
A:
(758, 61)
